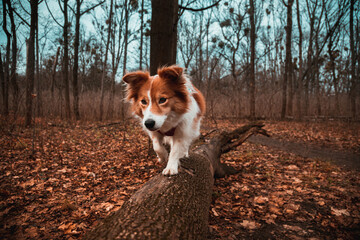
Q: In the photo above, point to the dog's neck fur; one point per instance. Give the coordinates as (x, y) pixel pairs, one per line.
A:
(169, 133)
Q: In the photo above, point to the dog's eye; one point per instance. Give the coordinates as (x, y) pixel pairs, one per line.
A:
(143, 102)
(162, 100)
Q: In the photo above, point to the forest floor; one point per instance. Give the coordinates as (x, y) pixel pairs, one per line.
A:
(58, 180)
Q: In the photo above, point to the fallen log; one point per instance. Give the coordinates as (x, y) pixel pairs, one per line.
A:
(176, 207)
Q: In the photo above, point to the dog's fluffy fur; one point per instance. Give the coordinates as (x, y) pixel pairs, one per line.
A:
(170, 108)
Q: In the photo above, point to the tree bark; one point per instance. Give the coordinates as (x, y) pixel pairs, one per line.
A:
(13, 80)
(176, 207)
(116, 56)
(288, 58)
(353, 62)
(163, 33)
(53, 73)
(6, 64)
(2, 80)
(309, 75)
(76, 61)
(38, 77)
(252, 60)
(141, 34)
(300, 82)
(66, 61)
(30, 63)
(126, 36)
(103, 75)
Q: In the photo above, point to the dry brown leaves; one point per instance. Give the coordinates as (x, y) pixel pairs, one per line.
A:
(278, 195)
(77, 175)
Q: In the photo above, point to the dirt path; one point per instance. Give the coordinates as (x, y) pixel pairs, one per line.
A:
(347, 160)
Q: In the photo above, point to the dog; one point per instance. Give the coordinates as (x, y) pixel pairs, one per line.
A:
(170, 108)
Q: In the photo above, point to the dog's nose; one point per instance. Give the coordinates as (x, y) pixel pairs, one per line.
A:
(150, 124)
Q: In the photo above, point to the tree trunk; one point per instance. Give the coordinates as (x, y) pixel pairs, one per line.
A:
(317, 66)
(6, 64)
(103, 75)
(353, 62)
(2, 80)
(252, 60)
(52, 89)
(76, 61)
(332, 69)
(116, 56)
(30, 63)
(163, 33)
(141, 34)
(288, 58)
(126, 36)
(175, 207)
(13, 81)
(300, 82)
(66, 61)
(309, 75)
(38, 77)
(200, 66)
(290, 98)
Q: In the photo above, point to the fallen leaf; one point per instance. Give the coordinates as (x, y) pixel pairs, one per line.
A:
(261, 200)
(250, 224)
(339, 212)
(214, 212)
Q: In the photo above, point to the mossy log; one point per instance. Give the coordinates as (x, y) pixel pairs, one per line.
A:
(176, 207)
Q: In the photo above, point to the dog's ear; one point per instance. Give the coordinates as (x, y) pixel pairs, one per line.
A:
(173, 73)
(136, 77)
(134, 81)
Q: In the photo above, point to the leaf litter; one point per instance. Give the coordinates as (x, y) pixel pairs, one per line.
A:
(76, 175)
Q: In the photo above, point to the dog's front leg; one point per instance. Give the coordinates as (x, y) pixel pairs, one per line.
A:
(179, 149)
(159, 148)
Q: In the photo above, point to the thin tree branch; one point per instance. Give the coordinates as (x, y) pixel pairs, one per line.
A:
(199, 9)
(89, 9)
(47, 6)
(24, 8)
(59, 2)
(22, 19)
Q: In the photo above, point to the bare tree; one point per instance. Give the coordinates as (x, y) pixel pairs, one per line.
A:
(288, 58)
(66, 60)
(163, 33)
(14, 49)
(299, 88)
(126, 35)
(76, 60)
(103, 75)
(142, 10)
(6, 63)
(30, 62)
(191, 43)
(312, 15)
(252, 59)
(52, 88)
(78, 14)
(116, 50)
(2, 80)
(353, 62)
(333, 54)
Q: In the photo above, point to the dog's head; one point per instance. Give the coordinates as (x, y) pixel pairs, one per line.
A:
(155, 98)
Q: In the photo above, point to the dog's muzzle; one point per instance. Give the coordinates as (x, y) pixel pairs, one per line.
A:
(149, 124)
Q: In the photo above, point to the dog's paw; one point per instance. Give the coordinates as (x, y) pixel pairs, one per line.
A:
(170, 171)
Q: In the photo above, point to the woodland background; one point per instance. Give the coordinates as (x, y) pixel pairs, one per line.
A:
(62, 61)
(260, 59)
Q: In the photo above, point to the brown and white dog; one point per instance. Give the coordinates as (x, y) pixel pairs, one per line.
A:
(170, 108)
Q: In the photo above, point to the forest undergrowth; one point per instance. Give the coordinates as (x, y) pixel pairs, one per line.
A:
(58, 180)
